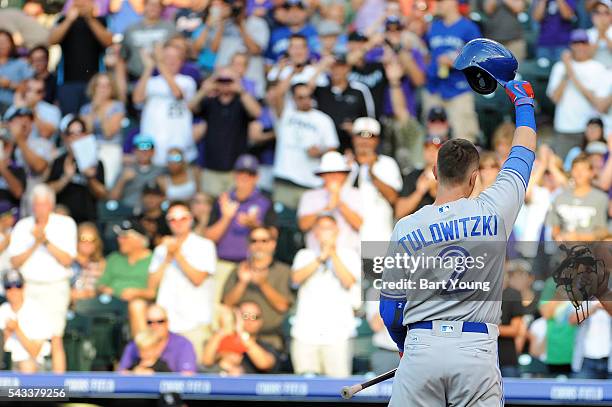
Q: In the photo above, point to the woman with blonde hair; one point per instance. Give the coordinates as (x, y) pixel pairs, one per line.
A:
(103, 117)
(89, 263)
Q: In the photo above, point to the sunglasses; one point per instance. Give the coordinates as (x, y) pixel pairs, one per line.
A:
(15, 285)
(175, 158)
(249, 316)
(177, 218)
(253, 240)
(156, 321)
(87, 239)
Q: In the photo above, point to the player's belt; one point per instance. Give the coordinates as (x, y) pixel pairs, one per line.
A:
(478, 327)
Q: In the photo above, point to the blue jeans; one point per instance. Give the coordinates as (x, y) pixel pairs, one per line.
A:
(552, 53)
(71, 96)
(593, 369)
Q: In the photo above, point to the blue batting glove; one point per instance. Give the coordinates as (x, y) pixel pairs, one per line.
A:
(520, 92)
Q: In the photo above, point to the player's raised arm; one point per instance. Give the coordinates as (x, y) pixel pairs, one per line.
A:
(521, 94)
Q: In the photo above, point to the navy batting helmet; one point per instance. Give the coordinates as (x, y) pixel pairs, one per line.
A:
(485, 62)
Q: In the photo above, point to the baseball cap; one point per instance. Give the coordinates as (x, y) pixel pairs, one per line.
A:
(329, 27)
(6, 207)
(606, 3)
(340, 58)
(393, 20)
(435, 140)
(579, 35)
(366, 127)
(437, 113)
(128, 225)
(247, 163)
(152, 188)
(14, 111)
(297, 3)
(143, 142)
(357, 37)
(332, 161)
(12, 278)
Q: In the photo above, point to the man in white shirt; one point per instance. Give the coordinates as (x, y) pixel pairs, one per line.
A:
(42, 248)
(324, 319)
(166, 115)
(27, 334)
(577, 84)
(181, 268)
(600, 35)
(303, 135)
(378, 179)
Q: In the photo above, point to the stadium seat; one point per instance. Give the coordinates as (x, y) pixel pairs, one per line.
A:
(111, 213)
(290, 238)
(78, 344)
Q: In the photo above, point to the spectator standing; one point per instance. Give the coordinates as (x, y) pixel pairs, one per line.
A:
(579, 213)
(126, 272)
(89, 263)
(144, 35)
(165, 115)
(103, 117)
(420, 186)
(336, 197)
(575, 85)
(42, 248)
(324, 318)
(83, 38)
(237, 348)
(555, 18)
(295, 22)
(38, 58)
(227, 109)
(264, 281)
(177, 352)
(13, 70)
(180, 272)
(182, 181)
(591, 358)
(31, 154)
(378, 179)
(342, 100)
(27, 334)
(129, 187)
(447, 86)
(600, 35)
(235, 213)
(502, 24)
(79, 189)
(46, 116)
(303, 135)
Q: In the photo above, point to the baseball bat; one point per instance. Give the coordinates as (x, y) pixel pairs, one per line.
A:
(349, 391)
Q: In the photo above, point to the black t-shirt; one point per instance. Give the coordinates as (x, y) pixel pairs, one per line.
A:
(226, 136)
(5, 193)
(51, 88)
(341, 107)
(77, 196)
(511, 308)
(372, 74)
(248, 365)
(159, 366)
(410, 183)
(81, 51)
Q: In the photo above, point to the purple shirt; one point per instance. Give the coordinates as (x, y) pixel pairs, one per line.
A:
(178, 355)
(407, 88)
(554, 30)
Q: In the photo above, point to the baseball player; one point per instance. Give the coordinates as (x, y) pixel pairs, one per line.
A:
(449, 346)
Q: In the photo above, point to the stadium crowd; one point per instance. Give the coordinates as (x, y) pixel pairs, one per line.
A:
(185, 184)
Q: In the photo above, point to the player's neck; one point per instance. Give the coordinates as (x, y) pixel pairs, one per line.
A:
(446, 195)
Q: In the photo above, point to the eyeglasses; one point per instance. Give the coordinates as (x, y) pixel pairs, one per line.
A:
(249, 316)
(156, 321)
(74, 132)
(177, 218)
(14, 285)
(253, 240)
(175, 158)
(87, 239)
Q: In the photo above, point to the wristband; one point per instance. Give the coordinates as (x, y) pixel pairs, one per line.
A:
(525, 115)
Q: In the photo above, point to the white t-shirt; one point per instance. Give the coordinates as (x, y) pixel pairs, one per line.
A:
(33, 326)
(188, 306)
(602, 54)
(573, 110)
(378, 218)
(324, 313)
(42, 266)
(168, 120)
(597, 338)
(296, 132)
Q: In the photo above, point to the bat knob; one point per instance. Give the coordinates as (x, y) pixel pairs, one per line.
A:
(348, 391)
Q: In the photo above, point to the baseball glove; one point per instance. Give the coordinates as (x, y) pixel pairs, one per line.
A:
(580, 275)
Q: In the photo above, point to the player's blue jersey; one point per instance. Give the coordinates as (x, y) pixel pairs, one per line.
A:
(446, 236)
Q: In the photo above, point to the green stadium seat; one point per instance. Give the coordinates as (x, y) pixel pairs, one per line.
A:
(290, 238)
(78, 344)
